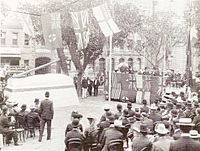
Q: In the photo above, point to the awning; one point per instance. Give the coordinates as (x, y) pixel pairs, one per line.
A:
(10, 52)
(10, 56)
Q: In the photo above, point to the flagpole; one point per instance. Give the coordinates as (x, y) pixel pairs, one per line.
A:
(110, 68)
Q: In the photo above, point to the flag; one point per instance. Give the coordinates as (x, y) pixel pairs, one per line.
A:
(51, 26)
(106, 23)
(26, 22)
(81, 24)
(189, 61)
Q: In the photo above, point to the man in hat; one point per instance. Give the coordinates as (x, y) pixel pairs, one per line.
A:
(5, 128)
(179, 110)
(77, 116)
(84, 85)
(196, 105)
(74, 133)
(144, 108)
(196, 120)
(142, 141)
(96, 85)
(47, 112)
(91, 134)
(105, 115)
(163, 142)
(187, 112)
(153, 114)
(20, 117)
(147, 121)
(37, 107)
(112, 133)
(185, 143)
(33, 120)
(131, 113)
(119, 113)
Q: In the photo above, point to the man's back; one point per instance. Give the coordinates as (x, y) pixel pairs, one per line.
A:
(185, 144)
(46, 109)
(140, 142)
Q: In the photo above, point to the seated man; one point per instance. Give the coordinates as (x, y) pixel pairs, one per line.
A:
(110, 134)
(75, 115)
(5, 128)
(33, 120)
(75, 133)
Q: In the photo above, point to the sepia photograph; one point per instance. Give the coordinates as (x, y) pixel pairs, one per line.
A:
(100, 75)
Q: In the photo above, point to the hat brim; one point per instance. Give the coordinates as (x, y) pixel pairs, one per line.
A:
(162, 132)
(185, 124)
(195, 136)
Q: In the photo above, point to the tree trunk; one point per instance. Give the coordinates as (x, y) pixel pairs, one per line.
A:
(79, 84)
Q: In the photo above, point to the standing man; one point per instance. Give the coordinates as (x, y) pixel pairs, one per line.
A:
(96, 86)
(84, 85)
(46, 112)
(90, 83)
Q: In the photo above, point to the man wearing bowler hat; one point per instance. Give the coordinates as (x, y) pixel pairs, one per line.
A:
(46, 111)
(74, 133)
(185, 143)
(142, 141)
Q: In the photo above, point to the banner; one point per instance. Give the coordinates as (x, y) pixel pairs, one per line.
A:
(106, 23)
(81, 24)
(51, 26)
(26, 22)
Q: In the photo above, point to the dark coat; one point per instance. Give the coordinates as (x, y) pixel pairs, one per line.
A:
(155, 117)
(140, 142)
(185, 144)
(32, 119)
(84, 83)
(108, 135)
(74, 134)
(96, 83)
(46, 109)
(70, 127)
(4, 124)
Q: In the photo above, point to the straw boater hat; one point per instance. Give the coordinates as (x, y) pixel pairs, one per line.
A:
(106, 107)
(185, 122)
(161, 129)
(194, 134)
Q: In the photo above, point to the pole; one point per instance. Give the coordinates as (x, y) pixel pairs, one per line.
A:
(110, 68)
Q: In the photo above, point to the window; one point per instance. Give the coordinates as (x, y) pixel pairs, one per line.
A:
(26, 62)
(3, 38)
(14, 38)
(26, 39)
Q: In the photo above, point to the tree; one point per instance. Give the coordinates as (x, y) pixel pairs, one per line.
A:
(80, 58)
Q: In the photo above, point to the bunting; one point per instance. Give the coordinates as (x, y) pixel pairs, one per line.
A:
(51, 25)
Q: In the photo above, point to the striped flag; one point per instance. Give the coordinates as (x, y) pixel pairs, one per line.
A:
(81, 24)
(106, 23)
(26, 22)
(51, 25)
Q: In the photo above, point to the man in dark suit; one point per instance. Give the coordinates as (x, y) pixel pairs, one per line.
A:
(90, 84)
(74, 133)
(185, 143)
(153, 114)
(5, 128)
(111, 133)
(96, 86)
(142, 141)
(46, 112)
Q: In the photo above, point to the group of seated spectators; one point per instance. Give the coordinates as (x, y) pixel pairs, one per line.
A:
(13, 119)
(169, 124)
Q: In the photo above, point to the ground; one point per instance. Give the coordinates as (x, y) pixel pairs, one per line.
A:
(90, 105)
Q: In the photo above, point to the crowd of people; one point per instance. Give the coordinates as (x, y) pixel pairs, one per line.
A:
(89, 87)
(13, 119)
(169, 124)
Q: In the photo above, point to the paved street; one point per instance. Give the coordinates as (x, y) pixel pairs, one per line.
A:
(62, 117)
